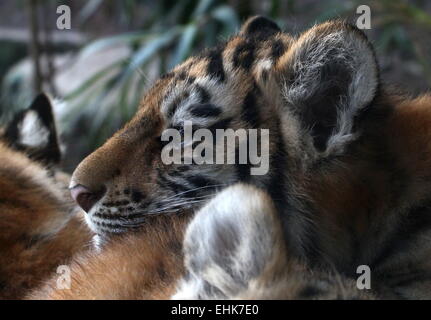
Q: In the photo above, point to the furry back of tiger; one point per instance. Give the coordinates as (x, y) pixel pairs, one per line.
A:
(40, 226)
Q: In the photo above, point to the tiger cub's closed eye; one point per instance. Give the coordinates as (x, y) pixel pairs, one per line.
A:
(205, 110)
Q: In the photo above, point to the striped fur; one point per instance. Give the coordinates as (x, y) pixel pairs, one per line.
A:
(349, 171)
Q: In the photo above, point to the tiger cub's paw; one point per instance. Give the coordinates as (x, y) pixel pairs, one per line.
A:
(230, 242)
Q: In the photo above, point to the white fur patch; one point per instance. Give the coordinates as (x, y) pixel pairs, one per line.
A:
(311, 56)
(228, 243)
(265, 64)
(32, 132)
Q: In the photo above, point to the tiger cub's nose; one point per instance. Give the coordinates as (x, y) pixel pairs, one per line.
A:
(86, 198)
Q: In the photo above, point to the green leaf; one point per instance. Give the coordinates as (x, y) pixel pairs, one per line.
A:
(227, 16)
(104, 43)
(202, 8)
(184, 45)
(149, 49)
(92, 80)
(89, 9)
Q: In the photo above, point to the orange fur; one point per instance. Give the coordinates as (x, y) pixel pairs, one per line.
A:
(40, 226)
(145, 265)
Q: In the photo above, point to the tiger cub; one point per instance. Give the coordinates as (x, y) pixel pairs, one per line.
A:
(348, 161)
(40, 227)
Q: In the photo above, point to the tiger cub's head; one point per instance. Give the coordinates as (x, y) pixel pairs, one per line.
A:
(34, 197)
(292, 101)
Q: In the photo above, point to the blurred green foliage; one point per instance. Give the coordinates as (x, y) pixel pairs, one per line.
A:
(175, 30)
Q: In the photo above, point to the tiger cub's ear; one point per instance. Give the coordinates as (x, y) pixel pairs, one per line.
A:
(230, 243)
(259, 27)
(327, 77)
(33, 131)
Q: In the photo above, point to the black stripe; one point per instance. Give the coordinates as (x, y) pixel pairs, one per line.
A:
(277, 49)
(183, 75)
(197, 181)
(108, 227)
(177, 101)
(31, 240)
(250, 110)
(277, 167)
(261, 28)
(204, 110)
(106, 216)
(165, 182)
(168, 75)
(243, 171)
(191, 79)
(310, 292)
(215, 65)
(221, 124)
(304, 242)
(243, 56)
(137, 196)
(201, 181)
(116, 203)
(182, 168)
(204, 94)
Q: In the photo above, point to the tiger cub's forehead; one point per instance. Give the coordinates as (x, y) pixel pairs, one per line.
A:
(203, 91)
(216, 83)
